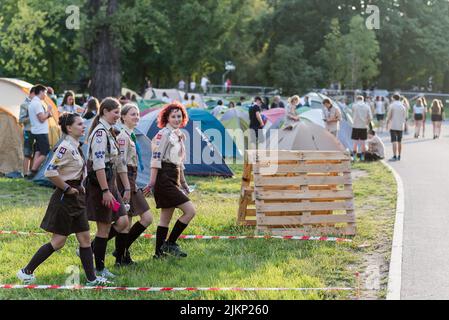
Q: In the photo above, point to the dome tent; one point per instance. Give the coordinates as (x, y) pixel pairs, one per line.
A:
(11, 144)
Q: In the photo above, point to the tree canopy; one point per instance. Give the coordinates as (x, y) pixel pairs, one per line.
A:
(291, 44)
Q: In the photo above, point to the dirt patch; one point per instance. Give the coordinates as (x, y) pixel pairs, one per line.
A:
(357, 174)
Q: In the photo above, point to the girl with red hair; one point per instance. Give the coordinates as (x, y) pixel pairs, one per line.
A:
(167, 182)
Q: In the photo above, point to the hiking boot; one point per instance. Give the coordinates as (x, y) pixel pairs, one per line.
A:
(173, 249)
(26, 278)
(99, 282)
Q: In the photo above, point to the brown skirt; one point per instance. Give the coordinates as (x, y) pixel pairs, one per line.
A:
(66, 214)
(138, 203)
(94, 197)
(167, 192)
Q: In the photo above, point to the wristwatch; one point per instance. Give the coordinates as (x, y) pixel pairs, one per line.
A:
(104, 191)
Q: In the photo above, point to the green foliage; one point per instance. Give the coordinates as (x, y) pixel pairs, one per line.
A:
(290, 70)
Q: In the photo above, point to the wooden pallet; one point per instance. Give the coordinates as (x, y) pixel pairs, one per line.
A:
(299, 193)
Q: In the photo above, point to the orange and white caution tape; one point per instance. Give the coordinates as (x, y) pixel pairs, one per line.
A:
(199, 237)
(162, 289)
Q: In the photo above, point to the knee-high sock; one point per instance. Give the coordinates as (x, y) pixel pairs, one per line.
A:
(88, 263)
(120, 245)
(100, 252)
(135, 232)
(177, 231)
(161, 235)
(39, 257)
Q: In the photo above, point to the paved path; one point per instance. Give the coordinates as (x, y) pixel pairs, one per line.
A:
(424, 170)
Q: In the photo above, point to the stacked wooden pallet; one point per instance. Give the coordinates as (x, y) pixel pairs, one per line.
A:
(298, 193)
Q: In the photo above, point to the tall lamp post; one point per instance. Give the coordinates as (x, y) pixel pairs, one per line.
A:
(229, 66)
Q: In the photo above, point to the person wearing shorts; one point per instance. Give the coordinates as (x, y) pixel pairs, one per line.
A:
(396, 119)
(362, 118)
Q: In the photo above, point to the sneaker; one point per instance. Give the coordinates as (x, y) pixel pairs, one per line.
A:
(26, 278)
(99, 282)
(399, 158)
(105, 273)
(173, 249)
(393, 159)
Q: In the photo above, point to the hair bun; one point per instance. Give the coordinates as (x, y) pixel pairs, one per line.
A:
(63, 119)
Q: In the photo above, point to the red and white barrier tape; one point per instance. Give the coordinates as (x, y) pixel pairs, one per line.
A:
(199, 237)
(162, 289)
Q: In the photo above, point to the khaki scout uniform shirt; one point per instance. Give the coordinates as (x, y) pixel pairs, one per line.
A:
(167, 147)
(99, 153)
(67, 162)
(127, 148)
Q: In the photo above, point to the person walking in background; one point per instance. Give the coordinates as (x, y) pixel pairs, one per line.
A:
(406, 104)
(396, 120)
(204, 83)
(39, 128)
(28, 140)
(181, 85)
(92, 108)
(332, 117)
(193, 85)
(68, 104)
(362, 116)
(291, 117)
(437, 115)
(380, 112)
(419, 112)
(228, 85)
(186, 100)
(255, 121)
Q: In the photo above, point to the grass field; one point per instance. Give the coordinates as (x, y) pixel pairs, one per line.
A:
(246, 263)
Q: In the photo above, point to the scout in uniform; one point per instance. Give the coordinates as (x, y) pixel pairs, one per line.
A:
(104, 203)
(167, 182)
(131, 154)
(66, 211)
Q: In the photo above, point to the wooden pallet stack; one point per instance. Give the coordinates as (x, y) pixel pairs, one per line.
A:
(298, 193)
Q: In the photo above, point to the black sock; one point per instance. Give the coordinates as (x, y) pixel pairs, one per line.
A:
(39, 257)
(161, 235)
(135, 232)
(120, 245)
(176, 232)
(100, 252)
(112, 233)
(88, 263)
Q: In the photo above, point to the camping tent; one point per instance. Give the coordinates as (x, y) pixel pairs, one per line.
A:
(11, 143)
(218, 111)
(12, 94)
(236, 122)
(173, 94)
(131, 92)
(207, 124)
(305, 136)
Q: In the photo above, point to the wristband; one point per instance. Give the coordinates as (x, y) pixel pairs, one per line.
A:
(104, 191)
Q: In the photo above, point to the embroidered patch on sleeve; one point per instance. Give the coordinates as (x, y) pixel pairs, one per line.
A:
(157, 155)
(100, 154)
(121, 142)
(99, 140)
(52, 167)
(99, 133)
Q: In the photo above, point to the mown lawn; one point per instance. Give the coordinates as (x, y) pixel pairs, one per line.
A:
(241, 263)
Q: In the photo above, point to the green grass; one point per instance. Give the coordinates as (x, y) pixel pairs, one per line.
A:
(247, 263)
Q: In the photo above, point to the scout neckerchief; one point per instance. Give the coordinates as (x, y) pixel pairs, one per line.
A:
(138, 150)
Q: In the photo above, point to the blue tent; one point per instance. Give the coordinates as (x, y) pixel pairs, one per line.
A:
(211, 127)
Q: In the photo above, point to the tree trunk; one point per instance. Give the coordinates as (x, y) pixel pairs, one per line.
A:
(104, 55)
